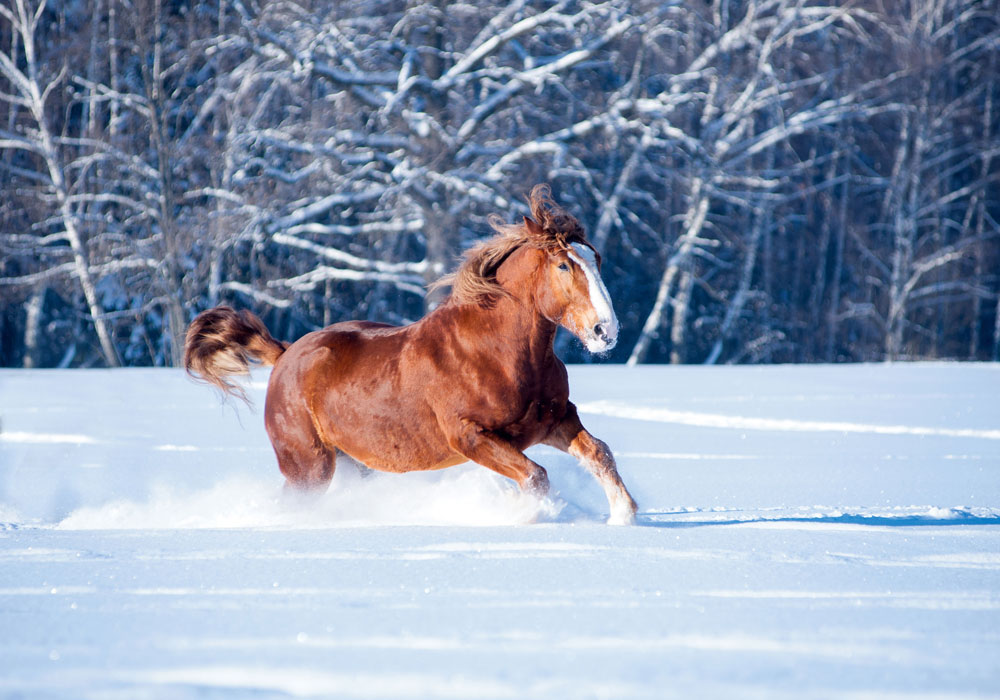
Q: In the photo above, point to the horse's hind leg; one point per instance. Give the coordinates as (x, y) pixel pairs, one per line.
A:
(309, 469)
(305, 461)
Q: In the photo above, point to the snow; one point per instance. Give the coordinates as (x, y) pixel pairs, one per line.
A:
(820, 531)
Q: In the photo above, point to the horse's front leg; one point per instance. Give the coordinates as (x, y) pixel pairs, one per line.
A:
(488, 449)
(570, 436)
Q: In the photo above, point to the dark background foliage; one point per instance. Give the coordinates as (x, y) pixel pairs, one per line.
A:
(767, 180)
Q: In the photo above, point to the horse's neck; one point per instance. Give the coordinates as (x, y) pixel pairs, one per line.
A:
(529, 334)
(532, 334)
(510, 326)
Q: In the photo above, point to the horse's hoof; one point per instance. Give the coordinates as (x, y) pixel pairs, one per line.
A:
(622, 516)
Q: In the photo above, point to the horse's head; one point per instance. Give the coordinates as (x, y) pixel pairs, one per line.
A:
(546, 259)
(570, 292)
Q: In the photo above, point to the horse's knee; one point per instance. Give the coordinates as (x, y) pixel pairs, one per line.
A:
(595, 454)
(602, 454)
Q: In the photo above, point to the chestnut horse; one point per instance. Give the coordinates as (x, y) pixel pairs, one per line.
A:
(475, 379)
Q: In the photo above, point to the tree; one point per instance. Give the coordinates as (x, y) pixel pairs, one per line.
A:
(28, 95)
(766, 180)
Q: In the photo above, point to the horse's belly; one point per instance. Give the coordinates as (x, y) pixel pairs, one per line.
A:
(390, 436)
(394, 453)
(399, 463)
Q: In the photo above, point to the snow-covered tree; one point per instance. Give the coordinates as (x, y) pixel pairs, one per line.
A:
(766, 180)
(47, 167)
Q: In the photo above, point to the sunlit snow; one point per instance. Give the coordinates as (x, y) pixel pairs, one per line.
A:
(825, 531)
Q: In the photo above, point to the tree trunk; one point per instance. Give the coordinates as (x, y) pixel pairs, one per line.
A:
(32, 321)
(902, 190)
(996, 332)
(114, 79)
(735, 308)
(695, 218)
(174, 296)
(833, 313)
(34, 100)
(682, 302)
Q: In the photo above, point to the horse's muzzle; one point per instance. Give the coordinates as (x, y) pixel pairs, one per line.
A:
(602, 337)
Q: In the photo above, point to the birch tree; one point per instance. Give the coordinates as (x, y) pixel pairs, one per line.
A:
(28, 92)
(935, 179)
(766, 180)
(716, 119)
(444, 91)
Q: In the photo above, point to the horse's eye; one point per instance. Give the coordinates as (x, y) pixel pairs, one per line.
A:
(564, 267)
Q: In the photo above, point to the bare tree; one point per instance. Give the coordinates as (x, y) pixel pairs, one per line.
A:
(766, 180)
(29, 92)
(716, 119)
(923, 232)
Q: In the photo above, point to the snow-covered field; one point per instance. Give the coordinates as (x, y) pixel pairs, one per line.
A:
(827, 531)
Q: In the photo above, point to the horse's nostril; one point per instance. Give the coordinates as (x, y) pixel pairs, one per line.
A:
(599, 331)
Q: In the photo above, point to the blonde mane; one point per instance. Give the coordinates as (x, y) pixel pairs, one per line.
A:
(550, 228)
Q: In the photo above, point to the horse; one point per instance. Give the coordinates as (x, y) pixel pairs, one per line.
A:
(476, 379)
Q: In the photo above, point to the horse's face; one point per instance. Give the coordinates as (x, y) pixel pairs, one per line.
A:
(577, 299)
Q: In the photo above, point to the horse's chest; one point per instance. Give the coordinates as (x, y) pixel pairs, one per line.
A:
(533, 421)
(521, 406)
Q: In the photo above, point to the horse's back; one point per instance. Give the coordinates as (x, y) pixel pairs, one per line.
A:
(338, 359)
(342, 341)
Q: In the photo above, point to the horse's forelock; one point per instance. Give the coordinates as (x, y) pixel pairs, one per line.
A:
(559, 228)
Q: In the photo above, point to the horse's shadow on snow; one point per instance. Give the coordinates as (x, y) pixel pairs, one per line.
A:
(662, 519)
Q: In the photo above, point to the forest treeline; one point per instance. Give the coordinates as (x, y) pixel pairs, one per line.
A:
(766, 180)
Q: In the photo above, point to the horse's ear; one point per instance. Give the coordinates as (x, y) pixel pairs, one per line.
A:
(533, 228)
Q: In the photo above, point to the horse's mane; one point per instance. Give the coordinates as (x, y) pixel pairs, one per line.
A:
(550, 228)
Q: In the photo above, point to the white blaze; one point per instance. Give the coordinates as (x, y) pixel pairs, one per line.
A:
(599, 298)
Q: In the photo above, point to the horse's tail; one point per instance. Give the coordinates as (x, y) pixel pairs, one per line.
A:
(222, 342)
